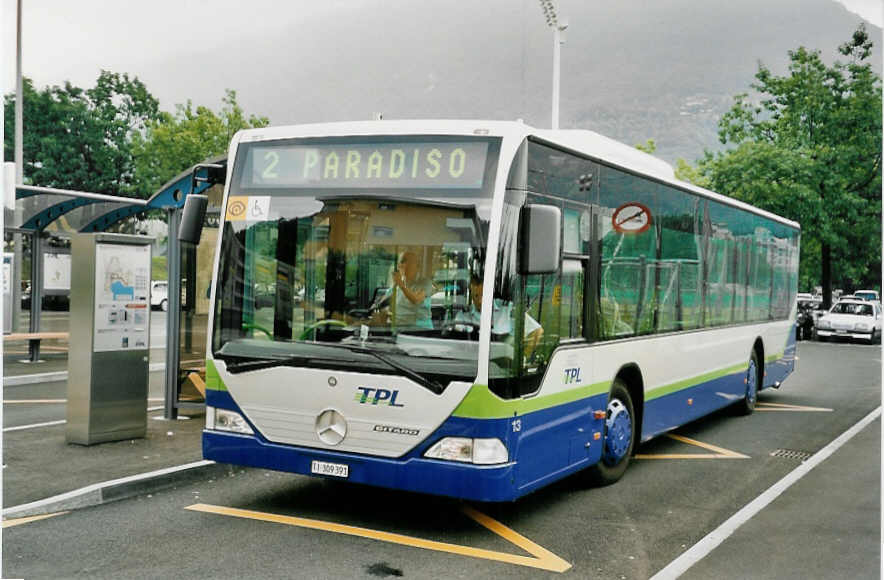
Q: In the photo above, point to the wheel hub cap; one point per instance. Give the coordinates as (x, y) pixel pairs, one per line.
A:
(751, 382)
(619, 432)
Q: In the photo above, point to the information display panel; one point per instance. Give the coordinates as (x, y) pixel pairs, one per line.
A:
(390, 165)
(122, 297)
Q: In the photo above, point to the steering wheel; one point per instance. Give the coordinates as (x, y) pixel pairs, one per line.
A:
(327, 322)
(251, 326)
(456, 327)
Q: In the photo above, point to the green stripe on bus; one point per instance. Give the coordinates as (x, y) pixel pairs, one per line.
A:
(693, 381)
(213, 380)
(481, 403)
(774, 357)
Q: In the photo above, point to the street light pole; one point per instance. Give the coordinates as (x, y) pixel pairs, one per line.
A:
(17, 239)
(552, 20)
(19, 125)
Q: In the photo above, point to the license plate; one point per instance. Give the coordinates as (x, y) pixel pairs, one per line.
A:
(332, 469)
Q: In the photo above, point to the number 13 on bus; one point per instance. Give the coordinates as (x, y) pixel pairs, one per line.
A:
(478, 309)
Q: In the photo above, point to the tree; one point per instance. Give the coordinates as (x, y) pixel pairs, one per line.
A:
(809, 148)
(173, 143)
(81, 139)
(649, 146)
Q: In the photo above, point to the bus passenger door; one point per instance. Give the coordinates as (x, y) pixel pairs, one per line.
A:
(557, 361)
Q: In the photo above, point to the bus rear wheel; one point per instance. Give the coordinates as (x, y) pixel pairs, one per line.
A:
(618, 440)
(753, 382)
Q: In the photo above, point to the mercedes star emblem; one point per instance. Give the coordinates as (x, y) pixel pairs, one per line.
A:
(331, 427)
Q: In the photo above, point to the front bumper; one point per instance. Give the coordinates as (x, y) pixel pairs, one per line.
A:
(491, 483)
(829, 333)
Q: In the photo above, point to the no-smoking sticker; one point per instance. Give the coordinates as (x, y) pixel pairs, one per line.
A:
(631, 218)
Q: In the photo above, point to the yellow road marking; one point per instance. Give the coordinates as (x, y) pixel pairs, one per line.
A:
(29, 519)
(32, 401)
(553, 562)
(719, 452)
(783, 407)
(43, 348)
(542, 558)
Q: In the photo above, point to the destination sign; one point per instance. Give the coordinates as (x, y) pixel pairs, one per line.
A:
(433, 165)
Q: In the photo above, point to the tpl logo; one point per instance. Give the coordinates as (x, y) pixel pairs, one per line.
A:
(572, 375)
(377, 396)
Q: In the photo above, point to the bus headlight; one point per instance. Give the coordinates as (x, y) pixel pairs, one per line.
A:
(224, 420)
(466, 450)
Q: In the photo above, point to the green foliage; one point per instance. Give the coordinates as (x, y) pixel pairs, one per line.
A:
(173, 143)
(159, 268)
(685, 172)
(808, 147)
(648, 146)
(81, 139)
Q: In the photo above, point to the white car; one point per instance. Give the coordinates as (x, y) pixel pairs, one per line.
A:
(159, 295)
(854, 318)
(870, 295)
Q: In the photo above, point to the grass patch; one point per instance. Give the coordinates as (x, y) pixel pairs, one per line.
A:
(159, 268)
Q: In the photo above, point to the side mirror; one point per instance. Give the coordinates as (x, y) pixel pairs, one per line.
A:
(191, 227)
(540, 246)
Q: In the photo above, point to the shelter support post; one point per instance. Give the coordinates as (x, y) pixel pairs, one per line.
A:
(17, 240)
(36, 293)
(173, 316)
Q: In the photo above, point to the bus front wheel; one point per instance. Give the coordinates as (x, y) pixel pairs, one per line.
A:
(618, 440)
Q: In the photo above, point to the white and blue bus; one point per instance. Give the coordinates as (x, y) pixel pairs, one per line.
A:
(477, 309)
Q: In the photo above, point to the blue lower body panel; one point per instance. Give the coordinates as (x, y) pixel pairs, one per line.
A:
(777, 371)
(550, 444)
(478, 483)
(544, 445)
(670, 411)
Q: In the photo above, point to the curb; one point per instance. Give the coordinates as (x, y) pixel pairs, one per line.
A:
(122, 488)
(58, 376)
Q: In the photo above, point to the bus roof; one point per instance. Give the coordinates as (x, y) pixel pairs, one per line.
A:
(580, 141)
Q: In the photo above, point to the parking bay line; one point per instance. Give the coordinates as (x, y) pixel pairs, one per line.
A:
(784, 407)
(718, 452)
(60, 422)
(29, 519)
(542, 558)
(53, 401)
(714, 538)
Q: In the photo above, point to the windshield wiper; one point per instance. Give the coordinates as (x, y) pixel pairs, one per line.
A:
(238, 365)
(404, 370)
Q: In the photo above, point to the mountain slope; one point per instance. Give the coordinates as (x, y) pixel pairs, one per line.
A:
(663, 69)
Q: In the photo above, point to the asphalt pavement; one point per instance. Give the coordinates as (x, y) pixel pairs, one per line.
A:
(38, 463)
(18, 369)
(826, 525)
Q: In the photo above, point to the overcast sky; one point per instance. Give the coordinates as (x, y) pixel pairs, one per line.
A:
(74, 39)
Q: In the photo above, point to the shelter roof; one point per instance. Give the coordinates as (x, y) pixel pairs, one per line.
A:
(62, 210)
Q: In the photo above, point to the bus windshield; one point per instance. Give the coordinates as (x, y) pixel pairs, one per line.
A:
(353, 278)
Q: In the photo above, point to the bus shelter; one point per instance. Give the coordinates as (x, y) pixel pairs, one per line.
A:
(42, 214)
